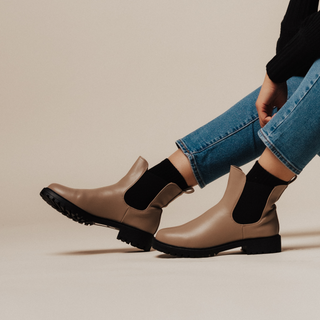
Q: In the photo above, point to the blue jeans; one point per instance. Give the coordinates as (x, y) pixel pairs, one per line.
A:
(235, 137)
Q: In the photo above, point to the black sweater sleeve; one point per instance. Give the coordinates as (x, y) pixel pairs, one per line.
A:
(297, 12)
(299, 43)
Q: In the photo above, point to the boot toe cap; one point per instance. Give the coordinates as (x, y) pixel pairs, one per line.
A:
(55, 187)
(172, 237)
(65, 192)
(58, 188)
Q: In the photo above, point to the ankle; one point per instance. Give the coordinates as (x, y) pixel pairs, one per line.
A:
(141, 194)
(274, 166)
(261, 176)
(168, 172)
(258, 187)
(182, 164)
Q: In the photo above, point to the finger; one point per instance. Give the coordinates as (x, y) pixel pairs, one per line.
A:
(264, 121)
(263, 113)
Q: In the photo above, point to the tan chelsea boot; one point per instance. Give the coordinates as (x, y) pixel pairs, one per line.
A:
(216, 230)
(106, 206)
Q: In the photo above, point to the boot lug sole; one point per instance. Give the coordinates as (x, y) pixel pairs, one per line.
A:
(262, 245)
(128, 234)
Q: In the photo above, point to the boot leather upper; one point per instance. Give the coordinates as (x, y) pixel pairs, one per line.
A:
(217, 226)
(108, 202)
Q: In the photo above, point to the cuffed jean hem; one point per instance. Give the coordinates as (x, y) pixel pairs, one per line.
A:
(192, 161)
(235, 137)
(230, 139)
(292, 135)
(277, 153)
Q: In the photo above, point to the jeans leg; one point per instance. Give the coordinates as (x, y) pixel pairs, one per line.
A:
(293, 134)
(230, 139)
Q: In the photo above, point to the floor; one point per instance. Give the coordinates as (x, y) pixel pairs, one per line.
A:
(63, 270)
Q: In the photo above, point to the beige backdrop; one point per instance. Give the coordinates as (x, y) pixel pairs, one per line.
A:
(88, 86)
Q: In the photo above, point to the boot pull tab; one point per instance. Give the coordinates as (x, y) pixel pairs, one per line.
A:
(293, 179)
(189, 190)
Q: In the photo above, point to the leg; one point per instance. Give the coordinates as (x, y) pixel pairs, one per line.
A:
(274, 166)
(181, 162)
(230, 139)
(246, 216)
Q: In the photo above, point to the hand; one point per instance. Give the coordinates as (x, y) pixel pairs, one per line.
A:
(271, 95)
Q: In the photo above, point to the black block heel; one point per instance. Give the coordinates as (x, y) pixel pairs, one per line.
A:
(136, 237)
(262, 245)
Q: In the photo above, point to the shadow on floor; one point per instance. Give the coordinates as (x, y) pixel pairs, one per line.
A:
(309, 233)
(301, 234)
(301, 247)
(102, 251)
(235, 251)
(224, 253)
